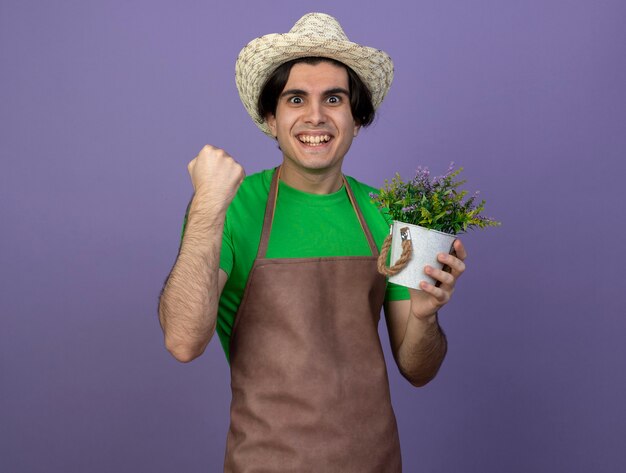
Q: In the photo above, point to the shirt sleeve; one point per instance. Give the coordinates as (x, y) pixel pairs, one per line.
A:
(227, 254)
(184, 227)
(395, 292)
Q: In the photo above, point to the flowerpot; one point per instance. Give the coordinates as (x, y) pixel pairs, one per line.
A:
(426, 244)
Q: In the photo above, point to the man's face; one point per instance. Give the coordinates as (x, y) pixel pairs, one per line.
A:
(313, 123)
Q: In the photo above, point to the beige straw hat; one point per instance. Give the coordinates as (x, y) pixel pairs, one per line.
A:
(313, 35)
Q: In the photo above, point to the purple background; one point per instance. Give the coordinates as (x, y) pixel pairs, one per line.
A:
(102, 104)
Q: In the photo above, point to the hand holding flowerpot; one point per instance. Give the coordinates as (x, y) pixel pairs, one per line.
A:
(428, 212)
(423, 247)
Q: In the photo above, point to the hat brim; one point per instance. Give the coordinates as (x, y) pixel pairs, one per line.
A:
(260, 58)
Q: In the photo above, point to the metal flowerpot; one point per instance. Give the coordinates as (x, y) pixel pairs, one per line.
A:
(412, 248)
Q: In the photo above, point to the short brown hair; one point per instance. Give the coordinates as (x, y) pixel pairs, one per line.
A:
(360, 96)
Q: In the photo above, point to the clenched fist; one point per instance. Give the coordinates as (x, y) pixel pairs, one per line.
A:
(215, 175)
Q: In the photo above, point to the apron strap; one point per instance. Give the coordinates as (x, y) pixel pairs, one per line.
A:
(270, 208)
(359, 214)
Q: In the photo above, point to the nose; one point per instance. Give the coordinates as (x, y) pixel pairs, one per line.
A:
(314, 114)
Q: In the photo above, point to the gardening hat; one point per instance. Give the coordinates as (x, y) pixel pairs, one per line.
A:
(313, 35)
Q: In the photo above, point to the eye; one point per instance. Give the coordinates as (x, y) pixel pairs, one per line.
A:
(295, 100)
(333, 99)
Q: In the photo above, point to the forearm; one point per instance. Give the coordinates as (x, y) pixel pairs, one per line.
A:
(422, 350)
(190, 296)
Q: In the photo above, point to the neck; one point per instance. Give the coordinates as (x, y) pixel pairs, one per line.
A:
(322, 182)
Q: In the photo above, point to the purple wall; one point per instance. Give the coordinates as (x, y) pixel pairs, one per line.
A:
(102, 104)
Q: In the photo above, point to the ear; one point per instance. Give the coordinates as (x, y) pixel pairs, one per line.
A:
(356, 129)
(270, 120)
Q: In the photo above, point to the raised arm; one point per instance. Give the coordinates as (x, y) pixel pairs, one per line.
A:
(418, 343)
(190, 296)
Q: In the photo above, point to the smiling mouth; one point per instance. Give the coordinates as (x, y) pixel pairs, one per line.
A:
(314, 140)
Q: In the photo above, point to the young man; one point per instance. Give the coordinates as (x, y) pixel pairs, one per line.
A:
(283, 265)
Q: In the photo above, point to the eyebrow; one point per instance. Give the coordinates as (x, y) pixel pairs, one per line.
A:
(333, 91)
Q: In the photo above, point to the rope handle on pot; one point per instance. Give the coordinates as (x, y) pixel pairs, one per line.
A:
(404, 257)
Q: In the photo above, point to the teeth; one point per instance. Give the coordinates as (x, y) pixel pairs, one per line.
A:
(314, 140)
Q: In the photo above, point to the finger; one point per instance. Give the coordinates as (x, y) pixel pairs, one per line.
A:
(440, 294)
(440, 275)
(459, 249)
(242, 174)
(456, 265)
(207, 149)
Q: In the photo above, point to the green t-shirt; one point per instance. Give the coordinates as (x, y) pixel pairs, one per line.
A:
(305, 226)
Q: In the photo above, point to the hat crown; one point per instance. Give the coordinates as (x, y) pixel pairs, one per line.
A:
(319, 25)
